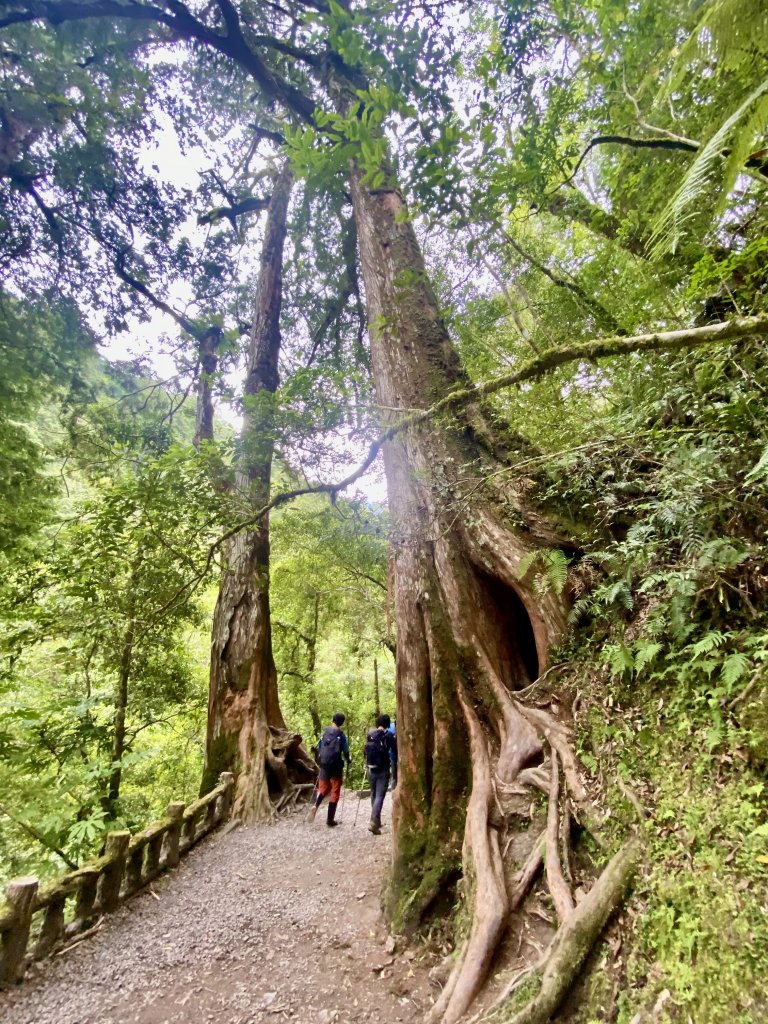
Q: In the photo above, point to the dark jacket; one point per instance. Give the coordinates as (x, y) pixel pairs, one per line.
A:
(335, 768)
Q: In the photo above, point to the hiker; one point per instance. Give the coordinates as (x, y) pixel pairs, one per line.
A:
(332, 752)
(379, 745)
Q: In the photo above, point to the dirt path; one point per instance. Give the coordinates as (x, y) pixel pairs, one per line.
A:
(265, 924)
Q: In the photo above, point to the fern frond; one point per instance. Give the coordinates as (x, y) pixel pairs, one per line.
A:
(645, 653)
(556, 569)
(525, 564)
(709, 642)
(667, 228)
(734, 667)
(742, 145)
(759, 471)
(729, 33)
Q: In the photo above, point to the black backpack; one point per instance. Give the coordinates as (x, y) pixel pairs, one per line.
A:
(376, 749)
(329, 748)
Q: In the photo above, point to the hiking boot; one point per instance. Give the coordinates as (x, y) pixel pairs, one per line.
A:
(374, 828)
(311, 814)
(332, 815)
(332, 824)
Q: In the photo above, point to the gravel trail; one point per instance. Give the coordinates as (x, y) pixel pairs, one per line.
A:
(270, 923)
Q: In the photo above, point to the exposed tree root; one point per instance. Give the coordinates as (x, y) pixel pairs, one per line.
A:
(576, 937)
(278, 769)
(525, 877)
(522, 733)
(490, 887)
(558, 887)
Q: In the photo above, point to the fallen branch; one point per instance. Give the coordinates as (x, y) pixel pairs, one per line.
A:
(82, 937)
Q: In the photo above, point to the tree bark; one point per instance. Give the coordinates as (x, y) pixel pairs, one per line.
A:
(209, 363)
(314, 710)
(246, 731)
(470, 631)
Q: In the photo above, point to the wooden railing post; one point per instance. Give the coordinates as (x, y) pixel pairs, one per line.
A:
(134, 869)
(20, 895)
(52, 928)
(227, 779)
(211, 816)
(115, 853)
(152, 862)
(173, 836)
(86, 896)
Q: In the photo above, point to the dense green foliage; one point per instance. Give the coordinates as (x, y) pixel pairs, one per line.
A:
(575, 170)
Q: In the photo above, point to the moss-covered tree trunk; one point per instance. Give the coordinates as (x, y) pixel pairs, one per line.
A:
(470, 632)
(246, 731)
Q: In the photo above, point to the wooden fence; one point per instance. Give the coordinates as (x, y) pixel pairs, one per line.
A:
(72, 903)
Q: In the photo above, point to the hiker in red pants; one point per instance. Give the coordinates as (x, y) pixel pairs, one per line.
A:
(332, 752)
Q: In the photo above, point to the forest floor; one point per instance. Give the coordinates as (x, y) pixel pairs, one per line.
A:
(265, 924)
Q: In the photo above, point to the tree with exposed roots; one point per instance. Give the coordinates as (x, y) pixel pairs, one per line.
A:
(473, 630)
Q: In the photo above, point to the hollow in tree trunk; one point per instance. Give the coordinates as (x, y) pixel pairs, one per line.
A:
(246, 730)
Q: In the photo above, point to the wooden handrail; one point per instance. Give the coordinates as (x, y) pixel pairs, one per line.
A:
(100, 886)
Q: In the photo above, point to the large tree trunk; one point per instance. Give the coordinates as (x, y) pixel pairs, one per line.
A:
(470, 631)
(246, 731)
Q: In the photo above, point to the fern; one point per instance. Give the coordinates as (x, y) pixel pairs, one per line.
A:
(618, 658)
(730, 33)
(759, 471)
(619, 593)
(525, 564)
(709, 642)
(645, 653)
(556, 569)
(735, 666)
(553, 574)
(668, 226)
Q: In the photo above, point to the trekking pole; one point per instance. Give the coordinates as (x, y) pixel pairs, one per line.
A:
(357, 810)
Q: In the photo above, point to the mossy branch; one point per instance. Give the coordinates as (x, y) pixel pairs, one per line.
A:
(729, 330)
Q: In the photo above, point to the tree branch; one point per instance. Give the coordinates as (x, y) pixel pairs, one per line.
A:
(142, 289)
(177, 17)
(755, 161)
(590, 301)
(729, 330)
(32, 831)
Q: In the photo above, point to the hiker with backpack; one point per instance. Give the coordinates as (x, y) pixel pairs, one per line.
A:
(332, 752)
(380, 752)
